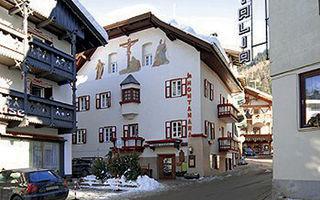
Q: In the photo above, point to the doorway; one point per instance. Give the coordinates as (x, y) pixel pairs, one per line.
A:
(167, 166)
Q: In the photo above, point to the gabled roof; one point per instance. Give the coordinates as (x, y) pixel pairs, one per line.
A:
(129, 80)
(259, 94)
(209, 53)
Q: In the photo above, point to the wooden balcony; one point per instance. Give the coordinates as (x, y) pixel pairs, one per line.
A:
(40, 112)
(50, 63)
(228, 144)
(227, 113)
(11, 44)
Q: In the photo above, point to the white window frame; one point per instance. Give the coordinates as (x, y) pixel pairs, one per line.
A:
(114, 67)
(148, 59)
(176, 88)
(82, 103)
(176, 129)
(39, 87)
(107, 132)
(104, 100)
(80, 136)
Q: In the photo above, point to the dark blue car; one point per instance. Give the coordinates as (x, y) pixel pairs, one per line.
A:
(32, 184)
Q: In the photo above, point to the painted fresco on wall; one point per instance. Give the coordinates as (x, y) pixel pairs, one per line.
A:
(134, 66)
(161, 57)
(99, 69)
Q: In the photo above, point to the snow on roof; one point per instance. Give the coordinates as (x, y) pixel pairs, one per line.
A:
(259, 92)
(45, 7)
(97, 26)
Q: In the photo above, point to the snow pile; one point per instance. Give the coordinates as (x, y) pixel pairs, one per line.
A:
(91, 179)
(147, 184)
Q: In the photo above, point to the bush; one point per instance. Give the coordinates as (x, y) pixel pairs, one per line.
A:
(99, 169)
(127, 165)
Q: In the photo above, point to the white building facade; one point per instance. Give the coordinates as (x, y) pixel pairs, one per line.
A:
(152, 92)
(37, 110)
(294, 34)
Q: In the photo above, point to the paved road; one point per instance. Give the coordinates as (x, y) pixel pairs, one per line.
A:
(252, 182)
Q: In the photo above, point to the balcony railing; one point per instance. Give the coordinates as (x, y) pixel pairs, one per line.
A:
(49, 62)
(131, 144)
(40, 111)
(227, 113)
(228, 144)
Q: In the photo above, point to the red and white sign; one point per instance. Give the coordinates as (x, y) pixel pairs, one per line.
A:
(189, 110)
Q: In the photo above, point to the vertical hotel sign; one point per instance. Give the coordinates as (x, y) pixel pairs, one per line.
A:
(245, 28)
(189, 110)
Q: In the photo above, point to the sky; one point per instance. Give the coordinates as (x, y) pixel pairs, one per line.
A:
(204, 16)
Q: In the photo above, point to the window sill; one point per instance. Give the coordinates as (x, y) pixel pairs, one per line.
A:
(125, 102)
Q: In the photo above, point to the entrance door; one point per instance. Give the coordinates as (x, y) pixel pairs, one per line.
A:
(167, 166)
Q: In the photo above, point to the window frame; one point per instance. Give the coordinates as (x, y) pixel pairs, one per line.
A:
(169, 87)
(82, 133)
(169, 128)
(115, 67)
(150, 61)
(87, 103)
(131, 99)
(127, 133)
(302, 97)
(208, 90)
(111, 137)
(99, 100)
(210, 130)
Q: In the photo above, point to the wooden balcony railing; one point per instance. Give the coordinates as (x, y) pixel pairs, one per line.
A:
(50, 63)
(41, 111)
(228, 113)
(228, 144)
(130, 144)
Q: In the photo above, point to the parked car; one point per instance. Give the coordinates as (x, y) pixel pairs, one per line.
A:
(248, 152)
(81, 167)
(32, 184)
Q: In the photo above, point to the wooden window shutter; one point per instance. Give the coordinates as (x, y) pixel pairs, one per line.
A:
(213, 131)
(109, 98)
(205, 88)
(168, 129)
(101, 136)
(77, 104)
(125, 131)
(205, 127)
(74, 138)
(84, 136)
(98, 101)
(114, 133)
(211, 92)
(184, 86)
(87, 102)
(184, 128)
(168, 89)
(136, 129)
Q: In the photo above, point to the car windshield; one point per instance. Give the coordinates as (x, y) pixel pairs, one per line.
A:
(42, 176)
(9, 177)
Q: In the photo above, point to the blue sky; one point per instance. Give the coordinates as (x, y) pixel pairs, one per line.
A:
(204, 16)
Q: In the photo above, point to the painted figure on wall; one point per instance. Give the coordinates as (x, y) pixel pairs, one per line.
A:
(99, 69)
(161, 57)
(133, 65)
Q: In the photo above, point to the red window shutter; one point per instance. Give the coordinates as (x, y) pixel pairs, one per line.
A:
(184, 128)
(168, 129)
(84, 136)
(168, 89)
(98, 101)
(211, 92)
(77, 104)
(205, 88)
(109, 99)
(114, 132)
(205, 127)
(213, 133)
(87, 102)
(125, 131)
(101, 136)
(74, 138)
(184, 86)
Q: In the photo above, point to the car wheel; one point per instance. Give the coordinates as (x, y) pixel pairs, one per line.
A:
(16, 198)
(84, 173)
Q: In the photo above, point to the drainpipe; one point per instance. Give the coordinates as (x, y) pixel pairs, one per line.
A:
(74, 80)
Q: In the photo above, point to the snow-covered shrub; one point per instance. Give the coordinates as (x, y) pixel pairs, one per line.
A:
(99, 169)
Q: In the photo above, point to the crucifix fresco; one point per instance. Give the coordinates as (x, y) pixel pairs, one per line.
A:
(133, 64)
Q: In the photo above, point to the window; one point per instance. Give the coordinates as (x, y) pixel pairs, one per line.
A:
(208, 90)
(256, 130)
(112, 64)
(130, 95)
(310, 99)
(83, 103)
(176, 88)
(176, 129)
(209, 129)
(80, 137)
(130, 130)
(103, 100)
(107, 134)
(214, 161)
(147, 54)
(41, 91)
